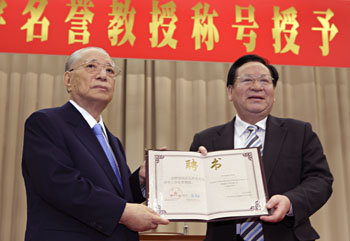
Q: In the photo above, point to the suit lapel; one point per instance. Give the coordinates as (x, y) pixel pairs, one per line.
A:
(86, 136)
(225, 137)
(120, 156)
(274, 138)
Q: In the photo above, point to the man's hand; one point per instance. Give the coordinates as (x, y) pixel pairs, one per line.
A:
(142, 172)
(280, 205)
(139, 218)
(202, 150)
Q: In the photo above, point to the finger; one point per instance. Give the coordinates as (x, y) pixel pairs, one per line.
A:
(164, 221)
(276, 216)
(142, 173)
(163, 148)
(272, 203)
(202, 150)
(143, 169)
(267, 218)
(270, 218)
(160, 220)
(152, 212)
(280, 213)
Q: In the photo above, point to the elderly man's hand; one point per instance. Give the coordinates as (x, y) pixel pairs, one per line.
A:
(139, 218)
(142, 172)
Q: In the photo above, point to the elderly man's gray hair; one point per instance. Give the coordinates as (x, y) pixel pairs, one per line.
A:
(77, 55)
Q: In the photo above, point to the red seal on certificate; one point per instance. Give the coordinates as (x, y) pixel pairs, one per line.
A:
(175, 193)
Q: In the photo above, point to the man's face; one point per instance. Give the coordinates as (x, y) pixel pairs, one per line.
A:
(90, 82)
(253, 92)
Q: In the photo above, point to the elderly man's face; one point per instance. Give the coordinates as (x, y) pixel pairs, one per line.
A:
(91, 80)
(253, 91)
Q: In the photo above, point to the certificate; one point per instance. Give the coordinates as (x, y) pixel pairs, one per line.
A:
(184, 185)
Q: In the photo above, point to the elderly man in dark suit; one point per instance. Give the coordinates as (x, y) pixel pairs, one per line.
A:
(297, 174)
(78, 184)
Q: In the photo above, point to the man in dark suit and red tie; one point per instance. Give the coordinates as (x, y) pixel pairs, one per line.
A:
(298, 178)
(78, 184)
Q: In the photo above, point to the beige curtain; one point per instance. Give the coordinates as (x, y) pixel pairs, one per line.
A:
(164, 103)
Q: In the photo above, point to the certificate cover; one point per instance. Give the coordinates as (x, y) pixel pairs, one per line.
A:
(184, 185)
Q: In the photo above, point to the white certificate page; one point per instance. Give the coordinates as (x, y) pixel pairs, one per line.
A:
(190, 186)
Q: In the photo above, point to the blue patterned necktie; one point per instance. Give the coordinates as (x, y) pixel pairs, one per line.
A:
(97, 129)
(251, 229)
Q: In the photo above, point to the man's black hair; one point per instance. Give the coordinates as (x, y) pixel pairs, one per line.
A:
(250, 58)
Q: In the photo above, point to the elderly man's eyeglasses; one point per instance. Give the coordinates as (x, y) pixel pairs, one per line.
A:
(247, 80)
(96, 67)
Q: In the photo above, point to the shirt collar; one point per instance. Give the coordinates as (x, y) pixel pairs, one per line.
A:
(88, 117)
(241, 126)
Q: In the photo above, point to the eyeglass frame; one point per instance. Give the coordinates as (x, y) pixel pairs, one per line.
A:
(256, 79)
(104, 66)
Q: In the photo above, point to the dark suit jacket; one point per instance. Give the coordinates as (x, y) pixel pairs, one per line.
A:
(72, 192)
(294, 166)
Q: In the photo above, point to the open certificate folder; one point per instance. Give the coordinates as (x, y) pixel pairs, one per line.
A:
(221, 185)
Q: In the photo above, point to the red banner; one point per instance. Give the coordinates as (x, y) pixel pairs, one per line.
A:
(298, 32)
